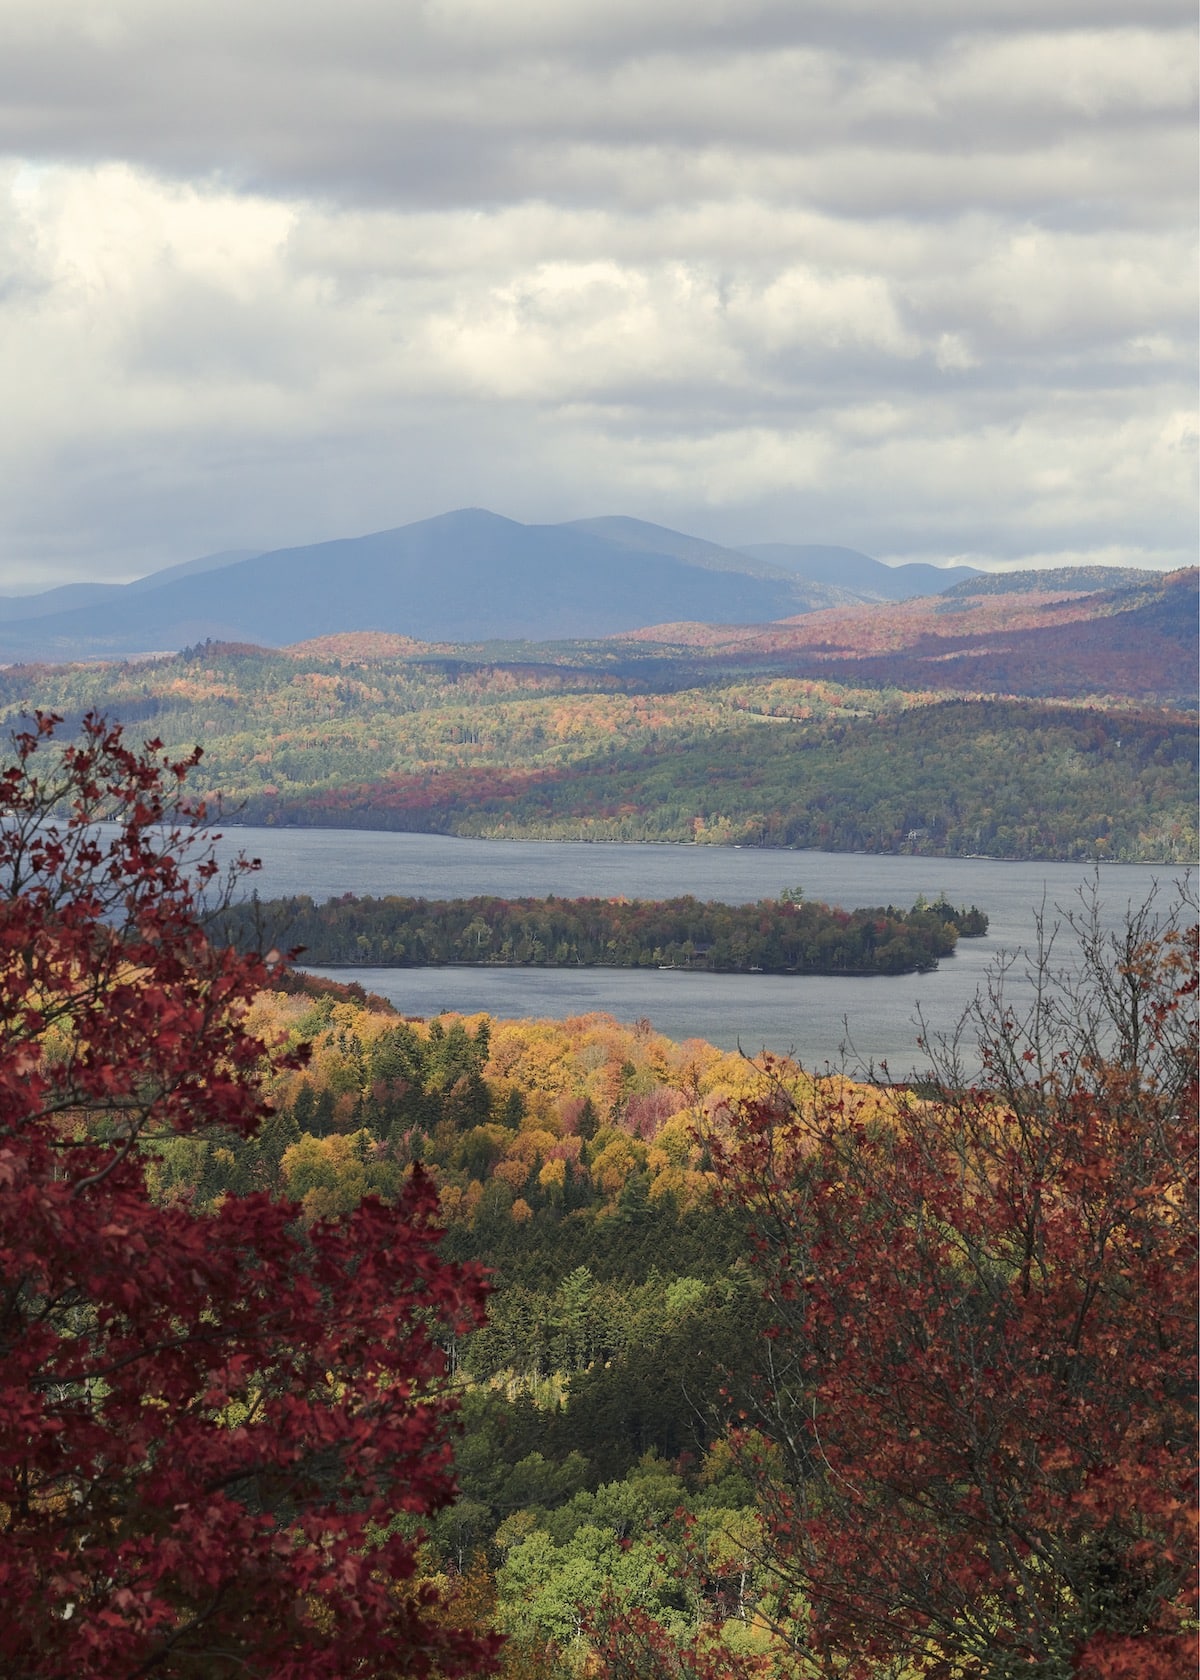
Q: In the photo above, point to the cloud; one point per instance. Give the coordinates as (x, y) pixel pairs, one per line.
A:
(918, 281)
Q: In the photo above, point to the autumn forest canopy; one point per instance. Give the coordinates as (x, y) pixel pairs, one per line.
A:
(337, 1343)
(1025, 723)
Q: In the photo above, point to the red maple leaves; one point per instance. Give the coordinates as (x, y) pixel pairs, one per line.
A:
(216, 1431)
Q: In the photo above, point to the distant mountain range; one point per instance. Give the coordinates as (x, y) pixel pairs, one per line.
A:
(70, 597)
(859, 578)
(468, 576)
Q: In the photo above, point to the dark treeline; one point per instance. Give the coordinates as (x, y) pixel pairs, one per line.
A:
(772, 936)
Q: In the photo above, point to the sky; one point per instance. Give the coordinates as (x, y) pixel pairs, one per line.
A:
(914, 278)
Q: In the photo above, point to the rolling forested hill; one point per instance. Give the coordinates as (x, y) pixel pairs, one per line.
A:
(1135, 639)
(1002, 725)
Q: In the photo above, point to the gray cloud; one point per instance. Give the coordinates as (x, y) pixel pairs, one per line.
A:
(813, 271)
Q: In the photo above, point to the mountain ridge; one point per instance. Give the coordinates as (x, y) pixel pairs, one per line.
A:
(870, 579)
(466, 576)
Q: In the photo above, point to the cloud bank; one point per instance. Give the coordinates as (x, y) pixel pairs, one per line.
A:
(918, 280)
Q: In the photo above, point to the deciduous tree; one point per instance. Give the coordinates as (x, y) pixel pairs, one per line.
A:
(216, 1428)
(978, 1391)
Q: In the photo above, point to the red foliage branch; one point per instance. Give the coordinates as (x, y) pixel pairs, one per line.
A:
(629, 1644)
(979, 1391)
(208, 1423)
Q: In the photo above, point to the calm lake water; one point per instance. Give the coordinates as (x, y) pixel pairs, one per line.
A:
(810, 1017)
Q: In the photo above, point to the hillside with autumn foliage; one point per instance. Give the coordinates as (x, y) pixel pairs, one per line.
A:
(627, 1483)
(1011, 635)
(1014, 722)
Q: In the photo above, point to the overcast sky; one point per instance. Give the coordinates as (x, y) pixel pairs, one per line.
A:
(914, 277)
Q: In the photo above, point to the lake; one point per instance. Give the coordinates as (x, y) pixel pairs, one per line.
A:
(812, 1017)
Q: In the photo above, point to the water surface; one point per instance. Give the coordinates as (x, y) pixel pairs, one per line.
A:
(814, 1017)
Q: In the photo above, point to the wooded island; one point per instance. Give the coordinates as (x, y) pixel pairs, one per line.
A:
(774, 936)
